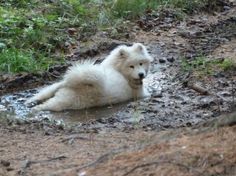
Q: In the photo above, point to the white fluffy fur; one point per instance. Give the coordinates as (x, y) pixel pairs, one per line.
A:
(118, 78)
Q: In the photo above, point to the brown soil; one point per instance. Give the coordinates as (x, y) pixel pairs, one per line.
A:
(209, 149)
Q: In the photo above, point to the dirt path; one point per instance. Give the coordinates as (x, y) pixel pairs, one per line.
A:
(143, 137)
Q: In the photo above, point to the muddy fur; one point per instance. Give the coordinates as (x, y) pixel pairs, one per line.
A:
(117, 79)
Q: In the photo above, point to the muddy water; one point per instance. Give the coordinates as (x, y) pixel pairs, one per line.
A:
(13, 106)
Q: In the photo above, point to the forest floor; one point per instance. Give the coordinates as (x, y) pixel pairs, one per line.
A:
(187, 127)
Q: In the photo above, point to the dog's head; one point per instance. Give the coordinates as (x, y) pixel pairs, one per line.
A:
(133, 62)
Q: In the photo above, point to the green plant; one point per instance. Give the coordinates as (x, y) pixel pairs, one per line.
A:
(228, 64)
(188, 6)
(129, 9)
(36, 29)
(202, 66)
(13, 60)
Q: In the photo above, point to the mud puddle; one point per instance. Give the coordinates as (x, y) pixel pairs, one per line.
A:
(171, 105)
(13, 106)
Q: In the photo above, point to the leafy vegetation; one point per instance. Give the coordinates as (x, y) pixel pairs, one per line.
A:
(134, 8)
(203, 66)
(13, 60)
(33, 30)
(35, 34)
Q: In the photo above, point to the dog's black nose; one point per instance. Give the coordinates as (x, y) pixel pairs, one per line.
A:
(141, 75)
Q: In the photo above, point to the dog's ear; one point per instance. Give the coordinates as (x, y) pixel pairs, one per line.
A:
(123, 53)
(151, 59)
(138, 47)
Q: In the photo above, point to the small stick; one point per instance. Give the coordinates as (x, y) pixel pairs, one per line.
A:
(198, 88)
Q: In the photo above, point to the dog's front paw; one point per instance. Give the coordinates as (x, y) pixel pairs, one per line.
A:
(31, 102)
(146, 94)
(36, 108)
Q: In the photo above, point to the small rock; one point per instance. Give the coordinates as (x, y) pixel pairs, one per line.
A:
(219, 75)
(72, 31)
(223, 83)
(67, 44)
(2, 45)
(5, 163)
(189, 56)
(82, 173)
(171, 59)
(2, 108)
(47, 133)
(162, 44)
(10, 169)
(226, 8)
(162, 60)
(188, 124)
(225, 94)
(206, 102)
(168, 20)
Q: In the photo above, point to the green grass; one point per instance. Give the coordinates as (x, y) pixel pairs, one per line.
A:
(228, 64)
(188, 6)
(34, 31)
(202, 66)
(129, 9)
(13, 61)
(134, 8)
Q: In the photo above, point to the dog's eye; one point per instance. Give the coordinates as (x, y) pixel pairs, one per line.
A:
(140, 64)
(131, 66)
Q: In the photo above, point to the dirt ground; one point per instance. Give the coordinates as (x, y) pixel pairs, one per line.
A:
(179, 132)
(207, 149)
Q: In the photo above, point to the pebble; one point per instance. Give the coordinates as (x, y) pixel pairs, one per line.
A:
(225, 94)
(162, 61)
(5, 163)
(170, 59)
(226, 7)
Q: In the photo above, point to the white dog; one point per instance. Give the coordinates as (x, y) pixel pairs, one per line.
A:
(117, 79)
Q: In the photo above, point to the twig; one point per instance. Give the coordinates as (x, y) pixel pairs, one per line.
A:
(55, 76)
(198, 88)
(28, 163)
(202, 90)
(73, 137)
(101, 159)
(161, 162)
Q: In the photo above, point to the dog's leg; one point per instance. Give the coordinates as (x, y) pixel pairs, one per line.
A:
(63, 99)
(53, 104)
(46, 93)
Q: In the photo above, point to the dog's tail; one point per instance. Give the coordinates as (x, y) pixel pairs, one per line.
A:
(85, 73)
(46, 93)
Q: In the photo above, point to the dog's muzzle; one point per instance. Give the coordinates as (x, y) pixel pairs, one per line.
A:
(136, 83)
